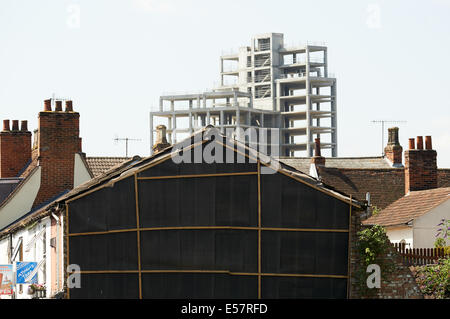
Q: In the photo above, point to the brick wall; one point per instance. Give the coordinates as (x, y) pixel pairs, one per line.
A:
(443, 177)
(420, 170)
(400, 284)
(385, 185)
(15, 149)
(58, 141)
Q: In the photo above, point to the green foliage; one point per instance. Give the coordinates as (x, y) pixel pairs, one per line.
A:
(434, 280)
(439, 243)
(375, 210)
(373, 244)
(443, 233)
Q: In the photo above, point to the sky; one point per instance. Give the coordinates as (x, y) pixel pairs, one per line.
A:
(114, 58)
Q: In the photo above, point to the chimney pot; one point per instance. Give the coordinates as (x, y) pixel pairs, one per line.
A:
(393, 136)
(24, 126)
(411, 144)
(48, 105)
(318, 159)
(69, 106)
(15, 150)
(317, 147)
(15, 125)
(428, 145)
(6, 125)
(161, 140)
(420, 167)
(419, 142)
(58, 107)
(393, 150)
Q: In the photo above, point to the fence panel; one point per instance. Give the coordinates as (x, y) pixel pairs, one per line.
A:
(419, 256)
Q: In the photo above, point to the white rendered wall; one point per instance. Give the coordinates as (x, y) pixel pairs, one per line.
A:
(396, 235)
(81, 173)
(425, 227)
(22, 201)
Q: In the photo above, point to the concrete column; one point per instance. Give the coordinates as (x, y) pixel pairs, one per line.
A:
(278, 94)
(334, 149)
(172, 105)
(221, 122)
(191, 130)
(235, 101)
(208, 118)
(151, 133)
(160, 105)
(309, 137)
(318, 108)
(174, 127)
(325, 61)
(203, 119)
(221, 71)
(169, 128)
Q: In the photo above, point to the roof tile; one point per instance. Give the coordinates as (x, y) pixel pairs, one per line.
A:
(409, 207)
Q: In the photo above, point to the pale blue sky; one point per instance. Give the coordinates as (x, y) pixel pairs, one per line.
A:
(391, 59)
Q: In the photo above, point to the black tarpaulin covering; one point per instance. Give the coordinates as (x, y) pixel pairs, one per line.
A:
(288, 203)
(291, 287)
(202, 286)
(232, 250)
(109, 208)
(180, 261)
(210, 201)
(107, 251)
(304, 252)
(107, 286)
(196, 165)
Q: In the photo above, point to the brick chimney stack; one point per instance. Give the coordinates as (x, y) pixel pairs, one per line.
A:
(393, 150)
(318, 159)
(15, 148)
(420, 166)
(161, 140)
(57, 142)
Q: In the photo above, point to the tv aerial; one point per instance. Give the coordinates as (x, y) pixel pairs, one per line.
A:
(126, 140)
(382, 130)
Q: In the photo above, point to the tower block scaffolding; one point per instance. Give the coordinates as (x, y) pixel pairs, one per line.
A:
(265, 85)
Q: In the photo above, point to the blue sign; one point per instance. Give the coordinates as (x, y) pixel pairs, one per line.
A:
(26, 272)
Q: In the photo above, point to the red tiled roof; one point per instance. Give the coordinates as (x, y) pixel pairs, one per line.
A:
(409, 207)
(100, 165)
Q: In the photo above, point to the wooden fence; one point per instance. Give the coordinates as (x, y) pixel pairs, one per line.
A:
(419, 256)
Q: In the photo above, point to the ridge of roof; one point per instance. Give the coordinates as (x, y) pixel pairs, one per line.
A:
(129, 167)
(100, 164)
